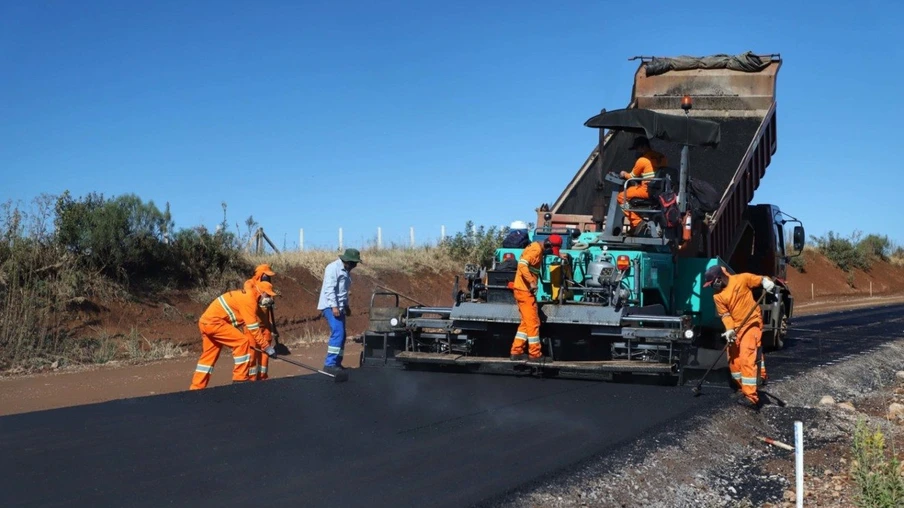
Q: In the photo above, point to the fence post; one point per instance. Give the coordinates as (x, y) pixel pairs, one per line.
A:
(301, 239)
(340, 238)
(799, 462)
(812, 291)
(379, 237)
(870, 289)
(412, 237)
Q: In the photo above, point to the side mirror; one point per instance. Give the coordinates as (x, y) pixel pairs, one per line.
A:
(798, 238)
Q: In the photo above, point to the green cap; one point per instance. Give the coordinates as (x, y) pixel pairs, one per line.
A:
(351, 256)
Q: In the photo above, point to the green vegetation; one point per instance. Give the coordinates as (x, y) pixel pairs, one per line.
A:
(475, 245)
(63, 254)
(857, 251)
(878, 478)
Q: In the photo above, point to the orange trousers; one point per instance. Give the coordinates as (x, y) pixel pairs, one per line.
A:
(636, 192)
(260, 363)
(529, 329)
(742, 361)
(213, 337)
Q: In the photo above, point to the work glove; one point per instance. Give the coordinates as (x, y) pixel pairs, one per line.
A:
(729, 336)
(270, 350)
(770, 286)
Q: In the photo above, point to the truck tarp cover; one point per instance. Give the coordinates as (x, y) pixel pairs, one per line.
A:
(746, 62)
(673, 128)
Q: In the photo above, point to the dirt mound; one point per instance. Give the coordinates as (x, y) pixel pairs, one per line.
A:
(821, 278)
(174, 315)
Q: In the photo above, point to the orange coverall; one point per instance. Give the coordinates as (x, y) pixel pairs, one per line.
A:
(733, 303)
(645, 167)
(526, 277)
(221, 325)
(260, 362)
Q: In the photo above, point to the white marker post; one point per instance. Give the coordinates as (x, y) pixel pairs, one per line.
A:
(442, 234)
(340, 238)
(301, 239)
(799, 461)
(379, 237)
(412, 238)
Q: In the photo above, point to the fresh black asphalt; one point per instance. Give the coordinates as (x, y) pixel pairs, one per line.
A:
(385, 438)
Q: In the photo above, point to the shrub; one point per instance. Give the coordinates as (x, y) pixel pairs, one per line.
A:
(120, 237)
(843, 252)
(197, 258)
(878, 479)
(475, 245)
(875, 247)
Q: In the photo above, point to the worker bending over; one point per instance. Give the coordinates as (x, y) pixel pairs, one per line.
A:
(734, 303)
(525, 290)
(648, 162)
(222, 325)
(260, 362)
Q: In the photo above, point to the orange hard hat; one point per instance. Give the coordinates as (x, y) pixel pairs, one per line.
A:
(266, 288)
(263, 269)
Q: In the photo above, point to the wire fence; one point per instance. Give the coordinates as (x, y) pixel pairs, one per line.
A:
(376, 240)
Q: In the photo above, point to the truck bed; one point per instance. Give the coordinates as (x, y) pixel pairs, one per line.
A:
(714, 166)
(742, 102)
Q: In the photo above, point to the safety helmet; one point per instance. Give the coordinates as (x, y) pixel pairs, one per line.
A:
(518, 224)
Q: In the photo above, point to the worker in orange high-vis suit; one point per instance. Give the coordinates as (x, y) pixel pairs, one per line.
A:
(525, 289)
(224, 324)
(260, 363)
(734, 301)
(648, 161)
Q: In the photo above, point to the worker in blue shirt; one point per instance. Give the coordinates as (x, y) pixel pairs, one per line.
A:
(334, 296)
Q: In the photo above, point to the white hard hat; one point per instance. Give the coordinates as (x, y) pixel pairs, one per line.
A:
(518, 224)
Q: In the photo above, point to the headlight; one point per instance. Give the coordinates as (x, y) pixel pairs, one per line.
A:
(394, 321)
(689, 333)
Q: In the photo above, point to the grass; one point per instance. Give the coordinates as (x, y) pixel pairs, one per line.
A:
(878, 478)
(897, 260)
(374, 261)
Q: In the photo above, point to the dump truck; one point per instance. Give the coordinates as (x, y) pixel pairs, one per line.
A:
(625, 302)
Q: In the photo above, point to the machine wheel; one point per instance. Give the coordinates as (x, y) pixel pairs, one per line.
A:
(782, 333)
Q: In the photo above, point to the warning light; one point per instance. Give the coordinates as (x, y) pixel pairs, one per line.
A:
(622, 262)
(507, 256)
(686, 103)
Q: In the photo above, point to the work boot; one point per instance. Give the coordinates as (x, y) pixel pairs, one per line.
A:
(749, 404)
(540, 359)
(518, 358)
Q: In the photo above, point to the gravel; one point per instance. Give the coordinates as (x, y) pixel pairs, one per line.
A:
(716, 461)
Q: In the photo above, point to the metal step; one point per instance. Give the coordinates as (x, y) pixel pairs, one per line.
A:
(591, 366)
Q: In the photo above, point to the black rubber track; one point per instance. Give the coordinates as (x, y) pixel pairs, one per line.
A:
(385, 438)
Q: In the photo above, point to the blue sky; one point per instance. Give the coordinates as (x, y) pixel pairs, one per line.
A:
(328, 114)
